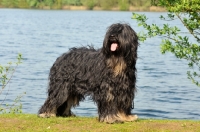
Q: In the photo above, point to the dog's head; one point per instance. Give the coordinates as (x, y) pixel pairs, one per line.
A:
(121, 41)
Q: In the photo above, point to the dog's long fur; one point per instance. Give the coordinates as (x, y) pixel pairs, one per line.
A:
(108, 77)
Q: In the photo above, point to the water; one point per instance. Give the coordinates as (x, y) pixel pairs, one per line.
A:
(41, 36)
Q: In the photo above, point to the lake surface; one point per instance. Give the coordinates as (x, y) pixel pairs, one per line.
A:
(41, 36)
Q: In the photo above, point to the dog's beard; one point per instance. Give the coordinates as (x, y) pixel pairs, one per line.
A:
(115, 60)
(116, 64)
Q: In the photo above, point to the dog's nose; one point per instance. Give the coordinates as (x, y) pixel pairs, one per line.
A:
(112, 36)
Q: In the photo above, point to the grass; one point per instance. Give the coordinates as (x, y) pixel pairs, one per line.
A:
(30, 122)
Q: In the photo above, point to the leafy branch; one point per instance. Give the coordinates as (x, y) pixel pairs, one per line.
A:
(173, 40)
(6, 74)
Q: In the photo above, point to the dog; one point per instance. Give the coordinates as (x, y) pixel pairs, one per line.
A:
(107, 75)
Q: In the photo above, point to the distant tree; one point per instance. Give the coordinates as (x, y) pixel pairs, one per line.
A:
(123, 5)
(58, 4)
(182, 45)
(139, 2)
(108, 4)
(48, 2)
(71, 2)
(10, 3)
(22, 4)
(1, 2)
(34, 3)
(90, 4)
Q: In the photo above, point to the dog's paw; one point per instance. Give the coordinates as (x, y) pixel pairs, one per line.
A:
(133, 117)
(46, 115)
(69, 114)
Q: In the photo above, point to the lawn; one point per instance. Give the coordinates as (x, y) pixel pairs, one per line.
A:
(30, 122)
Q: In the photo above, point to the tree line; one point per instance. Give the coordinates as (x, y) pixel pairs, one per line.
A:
(90, 4)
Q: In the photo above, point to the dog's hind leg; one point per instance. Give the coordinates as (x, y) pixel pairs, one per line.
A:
(47, 110)
(56, 98)
(65, 109)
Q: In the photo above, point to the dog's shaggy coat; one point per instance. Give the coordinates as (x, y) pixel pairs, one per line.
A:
(107, 75)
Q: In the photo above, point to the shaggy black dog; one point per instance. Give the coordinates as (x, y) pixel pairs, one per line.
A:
(107, 75)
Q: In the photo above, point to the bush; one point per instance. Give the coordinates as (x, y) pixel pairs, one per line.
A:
(6, 74)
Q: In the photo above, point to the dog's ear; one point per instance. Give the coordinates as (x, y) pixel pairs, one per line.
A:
(128, 40)
(131, 54)
(105, 48)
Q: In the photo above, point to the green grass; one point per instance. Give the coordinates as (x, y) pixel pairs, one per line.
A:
(30, 122)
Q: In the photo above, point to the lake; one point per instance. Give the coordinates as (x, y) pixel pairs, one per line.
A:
(163, 90)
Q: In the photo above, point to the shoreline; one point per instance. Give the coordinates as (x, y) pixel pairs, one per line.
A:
(84, 8)
(131, 8)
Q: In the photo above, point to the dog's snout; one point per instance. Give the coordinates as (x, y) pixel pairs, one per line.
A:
(112, 35)
(112, 38)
